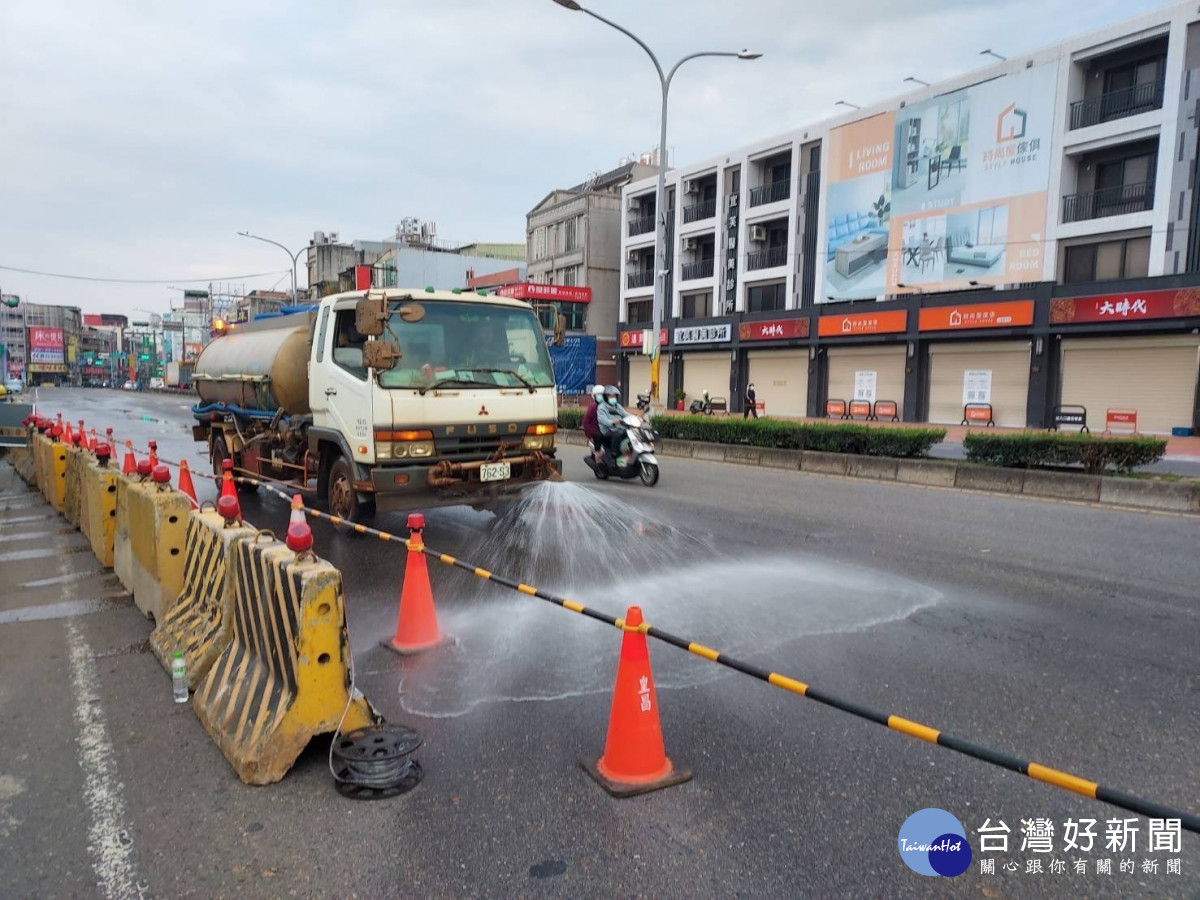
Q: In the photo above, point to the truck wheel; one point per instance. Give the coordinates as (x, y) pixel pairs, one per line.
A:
(219, 454)
(342, 498)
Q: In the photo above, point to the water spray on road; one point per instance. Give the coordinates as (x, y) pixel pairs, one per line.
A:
(587, 545)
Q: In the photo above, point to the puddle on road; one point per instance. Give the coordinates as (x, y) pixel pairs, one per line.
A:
(18, 555)
(607, 554)
(65, 609)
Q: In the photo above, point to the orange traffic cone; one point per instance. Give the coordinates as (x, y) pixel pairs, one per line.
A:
(83, 441)
(66, 431)
(417, 625)
(153, 454)
(227, 504)
(299, 535)
(634, 760)
(92, 442)
(185, 482)
(129, 466)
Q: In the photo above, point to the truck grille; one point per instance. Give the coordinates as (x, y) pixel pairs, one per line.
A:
(473, 447)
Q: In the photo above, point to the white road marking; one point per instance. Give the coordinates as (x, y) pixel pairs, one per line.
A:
(109, 843)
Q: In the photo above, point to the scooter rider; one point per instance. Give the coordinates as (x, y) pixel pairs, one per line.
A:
(610, 414)
(591, 424)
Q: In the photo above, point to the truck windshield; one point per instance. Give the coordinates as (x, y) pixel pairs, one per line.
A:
(473, 344)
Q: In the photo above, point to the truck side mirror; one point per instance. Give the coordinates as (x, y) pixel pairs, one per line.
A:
(560, 329)
(380, 355)
(370, 313)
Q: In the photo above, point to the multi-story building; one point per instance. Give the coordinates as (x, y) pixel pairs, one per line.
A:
(414, 256)
(573, 242)
(12, 336)
(52, 343)
(1021, 238)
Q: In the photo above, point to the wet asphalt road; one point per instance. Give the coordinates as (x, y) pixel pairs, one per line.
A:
(1063, 633)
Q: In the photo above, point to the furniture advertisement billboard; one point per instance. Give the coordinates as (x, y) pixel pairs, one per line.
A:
(942, 194)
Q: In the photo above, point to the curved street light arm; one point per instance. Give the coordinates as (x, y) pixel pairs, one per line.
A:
(634, 37)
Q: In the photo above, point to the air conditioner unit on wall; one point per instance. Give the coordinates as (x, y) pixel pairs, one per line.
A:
(758, 233)
(632, 256)
(690, 243)
(691, 187)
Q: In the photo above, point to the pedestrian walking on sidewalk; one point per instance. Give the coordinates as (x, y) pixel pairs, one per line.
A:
(751, 405)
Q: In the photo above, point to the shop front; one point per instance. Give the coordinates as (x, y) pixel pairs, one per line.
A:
(865, 372)
(775, 366)
(705, 368)
(985, 375)
(1148, 381)
(639, 365)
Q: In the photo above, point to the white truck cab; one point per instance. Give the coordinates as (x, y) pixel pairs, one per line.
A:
(441, 394)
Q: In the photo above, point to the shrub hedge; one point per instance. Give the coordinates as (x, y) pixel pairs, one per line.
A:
(831, 438)
(1093, 452)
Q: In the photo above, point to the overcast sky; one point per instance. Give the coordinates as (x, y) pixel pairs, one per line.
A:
(136, 136)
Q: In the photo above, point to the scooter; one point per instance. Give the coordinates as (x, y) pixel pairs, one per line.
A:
(637, 459)
(643, 402)
(701, 406)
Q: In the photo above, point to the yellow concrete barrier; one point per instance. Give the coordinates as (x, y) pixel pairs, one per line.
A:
(200, 621)
(284, 678)
(77, 461)
(150, 531)
(56, 476)
(98, 510)
(42, 466)
(122, 547)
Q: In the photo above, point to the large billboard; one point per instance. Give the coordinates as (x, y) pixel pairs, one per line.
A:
(941, 193)
(46, 346)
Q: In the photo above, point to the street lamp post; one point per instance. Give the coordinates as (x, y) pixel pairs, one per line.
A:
(294, 257)
(660, 231)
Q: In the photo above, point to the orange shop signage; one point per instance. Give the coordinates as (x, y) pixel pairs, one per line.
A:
(976, 315)
(889, 322)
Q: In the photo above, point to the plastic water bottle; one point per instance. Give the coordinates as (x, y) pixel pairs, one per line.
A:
(179, 677)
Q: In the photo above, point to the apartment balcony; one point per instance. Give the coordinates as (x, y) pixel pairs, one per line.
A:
(767, 259)
(1117, 201)
(694, 270)
(639, 279)
(641, 225)
(1118, 104)
(770, 193)
(705, 209)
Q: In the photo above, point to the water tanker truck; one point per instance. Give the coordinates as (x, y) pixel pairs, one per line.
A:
(385, 400)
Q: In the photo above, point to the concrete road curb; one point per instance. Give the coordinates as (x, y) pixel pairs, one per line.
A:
(1128, 493)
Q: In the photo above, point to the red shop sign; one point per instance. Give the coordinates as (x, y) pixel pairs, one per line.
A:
(634, 338)
(529, 290)
(773, 330)
(1126, 307)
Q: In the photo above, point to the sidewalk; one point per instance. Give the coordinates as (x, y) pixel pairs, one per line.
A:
(1182, 456)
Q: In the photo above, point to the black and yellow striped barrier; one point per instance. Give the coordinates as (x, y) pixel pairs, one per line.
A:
(1034, 770)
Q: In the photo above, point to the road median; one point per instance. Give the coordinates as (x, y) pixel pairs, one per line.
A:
(1107, 490)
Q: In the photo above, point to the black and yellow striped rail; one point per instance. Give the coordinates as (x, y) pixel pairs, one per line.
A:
(1034, 770)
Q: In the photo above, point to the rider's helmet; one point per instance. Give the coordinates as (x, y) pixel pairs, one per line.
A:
(612, 394)
(598, 392)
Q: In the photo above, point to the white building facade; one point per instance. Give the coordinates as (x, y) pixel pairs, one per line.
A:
(1036, 220)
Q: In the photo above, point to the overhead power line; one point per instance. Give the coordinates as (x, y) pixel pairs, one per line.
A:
(141, 280)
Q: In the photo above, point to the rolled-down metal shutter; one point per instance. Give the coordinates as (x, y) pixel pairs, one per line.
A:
(886, 362)
(1009, 364)
(706, 372)
(1154, 375)
(780, 379)
(639, 377)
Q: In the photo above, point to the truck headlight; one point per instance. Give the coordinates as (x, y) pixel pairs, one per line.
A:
(539, 437)
(420, 449)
